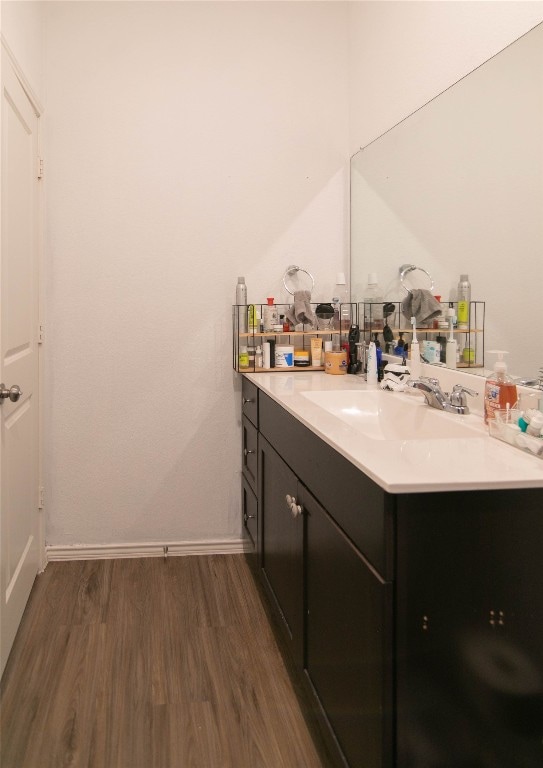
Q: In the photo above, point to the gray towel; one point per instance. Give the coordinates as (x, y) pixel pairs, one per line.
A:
(420, 303)
(300, 311)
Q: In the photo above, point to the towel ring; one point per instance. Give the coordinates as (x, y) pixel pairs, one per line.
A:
(292, 270)
(406, 268)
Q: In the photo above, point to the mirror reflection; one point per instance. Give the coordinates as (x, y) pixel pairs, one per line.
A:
(457, 188)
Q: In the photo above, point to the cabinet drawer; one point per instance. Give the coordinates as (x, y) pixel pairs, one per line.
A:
(249, 400)
(358, 505)
(249, 457)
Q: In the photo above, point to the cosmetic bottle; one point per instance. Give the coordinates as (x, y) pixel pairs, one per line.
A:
(254, 319)
(371, 375)
(341, 294)
(464, 298)
(378, 350)
(500, 389)
(258, 357)
(241, 302)
(373, 304)
(243, 358)
(270, 315)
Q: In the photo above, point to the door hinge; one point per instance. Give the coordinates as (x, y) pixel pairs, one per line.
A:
(40, 168)
(41, 498)
(41, 333)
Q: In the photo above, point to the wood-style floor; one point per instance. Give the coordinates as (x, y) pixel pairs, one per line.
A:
(149, 663)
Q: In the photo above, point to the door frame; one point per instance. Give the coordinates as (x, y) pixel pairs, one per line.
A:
(40, 224)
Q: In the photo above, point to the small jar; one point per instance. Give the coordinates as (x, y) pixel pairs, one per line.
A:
(335, 362)
(535, 425)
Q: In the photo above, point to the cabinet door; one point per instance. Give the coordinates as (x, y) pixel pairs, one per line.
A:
(348, 660)
(281, 543)
(506, 654)
(469, 632)
(439, 594)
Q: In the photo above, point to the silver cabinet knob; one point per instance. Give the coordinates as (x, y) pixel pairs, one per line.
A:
(14, 392)
(295, 509)
(246, 451)
(289, 500)
(247, 400)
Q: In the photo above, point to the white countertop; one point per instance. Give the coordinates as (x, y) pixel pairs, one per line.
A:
(404, 466)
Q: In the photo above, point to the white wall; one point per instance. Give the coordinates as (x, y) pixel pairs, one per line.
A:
(405, 53)
(187, 144)
(21, 24)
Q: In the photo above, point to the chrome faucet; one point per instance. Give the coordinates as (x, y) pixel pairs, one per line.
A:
(456, 402)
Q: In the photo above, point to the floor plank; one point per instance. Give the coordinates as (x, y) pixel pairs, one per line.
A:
(149, 663)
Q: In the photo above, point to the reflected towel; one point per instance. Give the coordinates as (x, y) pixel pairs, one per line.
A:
(420, 303)
(300, 311)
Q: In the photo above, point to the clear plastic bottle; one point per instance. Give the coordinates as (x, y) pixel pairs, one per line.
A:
(270, 315)
(241, 302)
(373, 304)
(464, 298)
(500, 389)
(341, 304)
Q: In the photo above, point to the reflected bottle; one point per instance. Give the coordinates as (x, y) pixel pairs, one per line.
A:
(464, 298)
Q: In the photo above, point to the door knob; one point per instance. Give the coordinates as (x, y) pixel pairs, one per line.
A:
(14, 392)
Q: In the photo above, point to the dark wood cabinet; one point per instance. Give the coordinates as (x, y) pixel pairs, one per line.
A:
(415, 621)
(281, 544)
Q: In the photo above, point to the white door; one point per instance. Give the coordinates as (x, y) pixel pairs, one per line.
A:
(19, 454)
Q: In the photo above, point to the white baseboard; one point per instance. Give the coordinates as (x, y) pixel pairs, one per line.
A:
(144, 549)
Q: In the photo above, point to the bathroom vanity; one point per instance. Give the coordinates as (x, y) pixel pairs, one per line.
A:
(403, 569)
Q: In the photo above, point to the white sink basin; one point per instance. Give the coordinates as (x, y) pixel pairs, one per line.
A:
(382, 415)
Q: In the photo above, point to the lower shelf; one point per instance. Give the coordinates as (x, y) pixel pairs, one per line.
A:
(282, 369)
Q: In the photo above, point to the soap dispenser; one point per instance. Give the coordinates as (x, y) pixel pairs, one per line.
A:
(500, 389)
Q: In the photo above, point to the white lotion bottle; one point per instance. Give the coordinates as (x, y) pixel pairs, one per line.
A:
(451, 352)
(414, 361)
(371, 375)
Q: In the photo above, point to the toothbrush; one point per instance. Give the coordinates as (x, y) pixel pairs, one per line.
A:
(414, 340)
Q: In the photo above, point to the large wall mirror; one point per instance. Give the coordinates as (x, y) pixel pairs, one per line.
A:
(457, 187)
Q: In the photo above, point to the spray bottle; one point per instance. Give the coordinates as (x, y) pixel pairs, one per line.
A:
(500, 389)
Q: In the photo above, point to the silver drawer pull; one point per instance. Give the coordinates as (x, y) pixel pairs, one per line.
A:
(247, 400)
(248, 517)
(246, 452)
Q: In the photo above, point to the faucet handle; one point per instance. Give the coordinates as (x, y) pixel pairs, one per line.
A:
(458, 394)
(434, 382)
